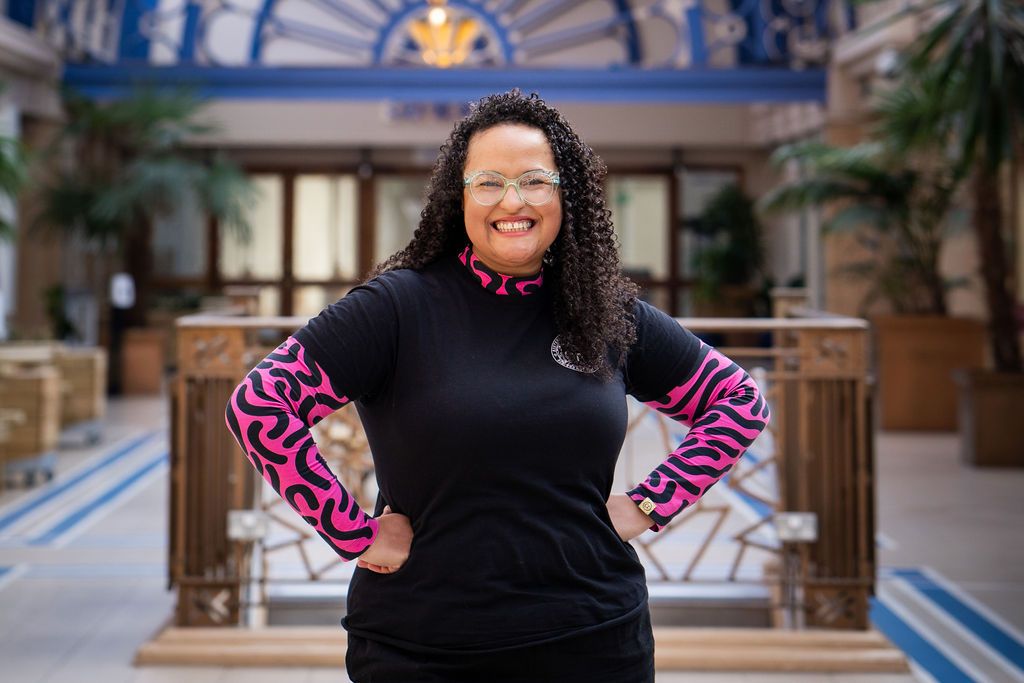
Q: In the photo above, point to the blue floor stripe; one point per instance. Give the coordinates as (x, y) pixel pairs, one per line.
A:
(914, 646)
(77, 516)
(971, 619)
(56, 488)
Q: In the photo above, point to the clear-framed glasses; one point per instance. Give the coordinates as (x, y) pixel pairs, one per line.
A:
(534, 187)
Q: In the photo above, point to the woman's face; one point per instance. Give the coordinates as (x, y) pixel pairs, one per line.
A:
(511, 236)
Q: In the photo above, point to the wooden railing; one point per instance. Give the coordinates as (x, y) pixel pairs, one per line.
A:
(819, 455)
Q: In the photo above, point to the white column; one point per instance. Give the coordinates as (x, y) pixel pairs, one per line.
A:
(8, 208)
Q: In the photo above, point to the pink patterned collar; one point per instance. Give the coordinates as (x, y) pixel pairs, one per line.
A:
(497, 283)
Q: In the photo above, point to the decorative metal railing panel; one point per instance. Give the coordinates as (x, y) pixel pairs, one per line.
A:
(815, 458)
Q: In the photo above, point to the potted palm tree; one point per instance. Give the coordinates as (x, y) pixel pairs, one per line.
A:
(975, 51)
(127, 165)
(898, 214)
(730, 260)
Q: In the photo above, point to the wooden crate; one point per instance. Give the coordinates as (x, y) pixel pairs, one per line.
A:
(35, 393)
(83, 373)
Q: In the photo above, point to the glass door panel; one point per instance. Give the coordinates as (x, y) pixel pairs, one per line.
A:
(326, 213)
(398, 202)
(639, 206)
(259, 256)
(179, 241)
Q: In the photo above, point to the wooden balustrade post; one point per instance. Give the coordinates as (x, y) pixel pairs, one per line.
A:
(829, 471)
(209, 476)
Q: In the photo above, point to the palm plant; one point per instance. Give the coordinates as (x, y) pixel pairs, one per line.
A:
(896, 212)
(127, 167)
(974, 54)
(735, 253)
(12, 178)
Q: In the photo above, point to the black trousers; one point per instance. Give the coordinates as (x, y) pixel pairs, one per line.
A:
(623, 653)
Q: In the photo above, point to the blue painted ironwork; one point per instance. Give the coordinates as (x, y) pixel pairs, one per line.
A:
(22, 12)
(459, 85)
(133, 44)
(698, 47)
(632, 39)
(713, 34)
(719, 33)
(187, 51)
(262, 18)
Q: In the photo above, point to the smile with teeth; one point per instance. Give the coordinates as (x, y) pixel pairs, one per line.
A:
(512, 226)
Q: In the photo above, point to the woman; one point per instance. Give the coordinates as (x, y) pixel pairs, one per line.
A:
(489, 361)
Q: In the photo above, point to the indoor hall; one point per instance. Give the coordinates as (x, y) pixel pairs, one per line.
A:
(305, 147)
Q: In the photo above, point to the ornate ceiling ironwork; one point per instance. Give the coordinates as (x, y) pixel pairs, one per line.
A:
(674, 34)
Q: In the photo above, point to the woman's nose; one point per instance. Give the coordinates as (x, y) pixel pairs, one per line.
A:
(512, 199)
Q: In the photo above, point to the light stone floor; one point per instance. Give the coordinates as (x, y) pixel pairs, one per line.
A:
(82, 588)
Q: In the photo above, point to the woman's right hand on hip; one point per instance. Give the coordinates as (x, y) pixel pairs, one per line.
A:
(390, 549)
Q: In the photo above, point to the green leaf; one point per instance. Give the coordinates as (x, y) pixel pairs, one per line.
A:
(858, 217)
(132, 166)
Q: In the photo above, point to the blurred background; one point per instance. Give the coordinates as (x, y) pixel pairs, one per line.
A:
(828, 191)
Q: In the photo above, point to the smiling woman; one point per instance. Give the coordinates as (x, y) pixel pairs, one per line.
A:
(509, 234)
(490, 362)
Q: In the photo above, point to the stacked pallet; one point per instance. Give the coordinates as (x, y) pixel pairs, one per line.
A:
(33, 393)
(83, 374)
(44, 387)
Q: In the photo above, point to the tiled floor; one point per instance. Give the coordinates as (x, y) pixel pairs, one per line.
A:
(82, 582)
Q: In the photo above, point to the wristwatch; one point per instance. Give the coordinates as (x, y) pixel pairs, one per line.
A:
(646, 506)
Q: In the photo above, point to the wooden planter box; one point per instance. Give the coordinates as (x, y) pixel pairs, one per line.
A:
(915, 358)
(142, 361)
(990, 418)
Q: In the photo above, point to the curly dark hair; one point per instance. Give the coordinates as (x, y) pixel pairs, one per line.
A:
(592, 301)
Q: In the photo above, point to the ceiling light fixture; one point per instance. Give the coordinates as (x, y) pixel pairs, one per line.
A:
(444, 38)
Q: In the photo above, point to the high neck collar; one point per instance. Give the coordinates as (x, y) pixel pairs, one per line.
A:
(496, 283)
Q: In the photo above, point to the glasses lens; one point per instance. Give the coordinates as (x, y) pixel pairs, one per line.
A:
(487, 188)
(536, 188)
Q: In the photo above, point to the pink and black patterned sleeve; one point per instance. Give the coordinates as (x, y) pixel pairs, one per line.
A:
(714, 396)
(296, 386)
(270, 414)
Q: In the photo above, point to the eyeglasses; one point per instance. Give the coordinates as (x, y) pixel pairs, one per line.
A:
(534, 187)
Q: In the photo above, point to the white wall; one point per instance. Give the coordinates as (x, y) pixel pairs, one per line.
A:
(283, 123)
